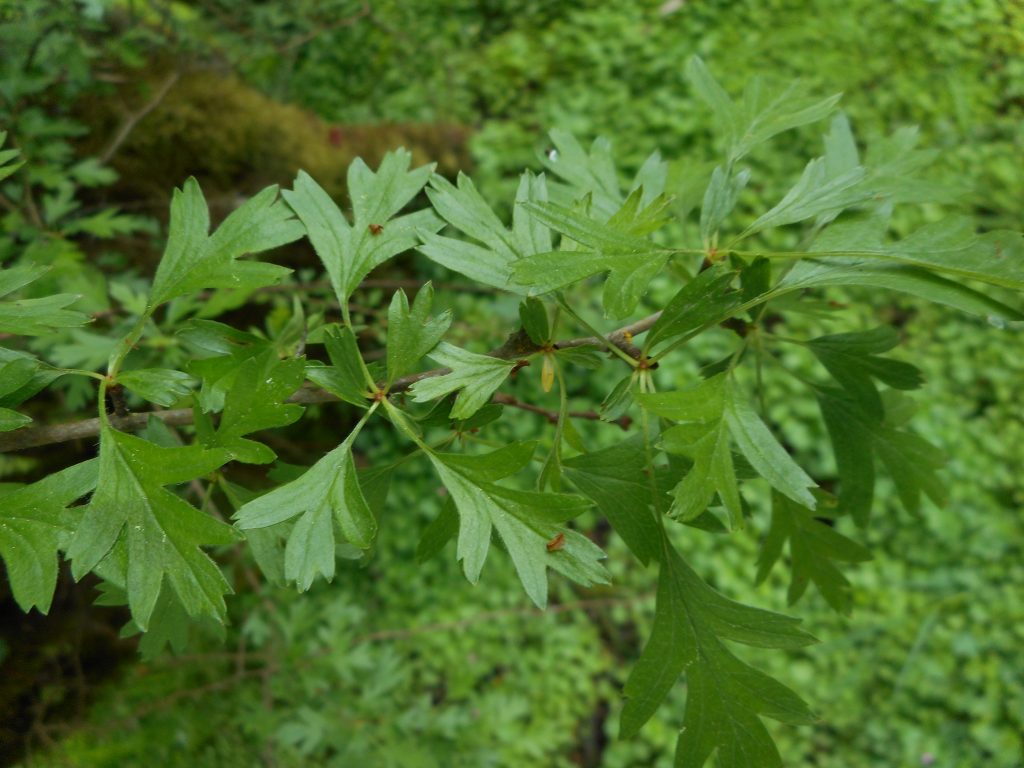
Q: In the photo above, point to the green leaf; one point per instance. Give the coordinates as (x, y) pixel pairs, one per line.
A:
(34, 317)
(719, 200)
(344, 377)
(255, 401)
(526, 522)
(705, 300)
(478, 376)
(194, 260)
(328, 491)
(616, 479)
(463, 207)
(162, 386)
(349, 252)
(815, 194)
(865, 235)
(412, 333)
(854, 362)
(712, 416)
(763, 451)
(11, 420)
(21, 377)
(725, 697)
(534, 317)
(34, 525)
(759, 116)
(441, 530)
(7, 166)
(630, 261)
(949, 246)
(702, 437)
(858, 437)
(585, 173)
(592, 174)
(164, 534)
(814, 548)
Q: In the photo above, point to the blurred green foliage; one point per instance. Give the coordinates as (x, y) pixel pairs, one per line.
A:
(384, 667)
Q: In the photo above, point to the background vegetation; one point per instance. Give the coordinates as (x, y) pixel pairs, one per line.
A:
(400, 663)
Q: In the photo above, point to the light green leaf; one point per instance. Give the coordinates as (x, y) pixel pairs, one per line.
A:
(34, 525)
(631, 261)
(194, 260)
(163, 534)
(815, 194)
(526, 521)
(412, 333)
(327, 491)
(861, 234)
(350, 251)
(478, 376)
(34, 317)
(7, 164)
(814, 548)
(585, 173)
(949, 246)
(162, 386)
(759, 116)
(719, 200)
(464, 208)
(10, 420)
(703, 438)
(763, 451)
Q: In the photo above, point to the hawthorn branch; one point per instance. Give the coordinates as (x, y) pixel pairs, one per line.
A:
(552, 416)
(518, 345)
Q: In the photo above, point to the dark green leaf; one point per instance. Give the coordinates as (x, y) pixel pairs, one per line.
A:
(853, 360)
(34, 524)
(412, 333)
(703, 301)
(255, 401)
(534, 317)
(725, 696)
(163, 533)
(616, 479)
(814, 547)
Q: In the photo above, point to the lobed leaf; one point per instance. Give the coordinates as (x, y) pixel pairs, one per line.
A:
(162, 534)
(477, 376)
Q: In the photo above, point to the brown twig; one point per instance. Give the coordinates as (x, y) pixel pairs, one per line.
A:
(310, 36)
(552, 416)
(518, 345)
(133, 119)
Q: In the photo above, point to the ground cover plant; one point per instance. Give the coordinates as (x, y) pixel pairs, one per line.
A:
(704, 457)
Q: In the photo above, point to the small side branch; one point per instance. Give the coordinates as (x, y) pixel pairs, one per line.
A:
(517, 345)
(133, 119)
